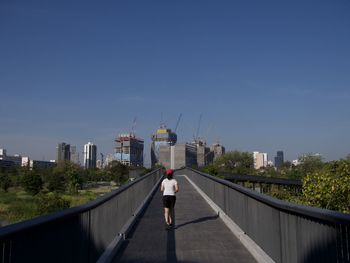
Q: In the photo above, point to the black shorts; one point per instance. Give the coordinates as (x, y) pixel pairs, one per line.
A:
(169, 201)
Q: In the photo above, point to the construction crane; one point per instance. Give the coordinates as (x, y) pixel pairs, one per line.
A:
(133, 127)
(178, 121)
(199, 125)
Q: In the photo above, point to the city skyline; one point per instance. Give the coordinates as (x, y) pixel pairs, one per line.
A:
(265, 76)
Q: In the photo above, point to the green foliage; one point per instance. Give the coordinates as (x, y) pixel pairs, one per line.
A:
(16, 206)
(5, 181)
(329, 187)
(309, 163)
(56, 183)
(47, 203)
(211, 169)
(32, 182)
(118, 172)
(235, 162)
(286, 194)
(75, 181)
(65, 176)
(268, 171)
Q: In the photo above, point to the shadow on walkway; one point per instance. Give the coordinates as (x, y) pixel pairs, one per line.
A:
(199, 220)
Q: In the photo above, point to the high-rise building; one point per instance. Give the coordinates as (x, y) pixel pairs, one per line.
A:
(163, 137)
(260, 160)
(74, 155)
(279, 159)
(90, 153)
(63, 152)
(129, 149)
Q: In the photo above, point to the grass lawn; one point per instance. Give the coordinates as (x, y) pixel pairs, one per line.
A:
(16, 205)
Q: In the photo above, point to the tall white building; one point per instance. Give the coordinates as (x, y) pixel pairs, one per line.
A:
(90, 153)
(260, 160)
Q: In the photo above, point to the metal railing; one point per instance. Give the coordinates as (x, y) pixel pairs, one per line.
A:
(261, 179)
(285, 231)
(79, 234)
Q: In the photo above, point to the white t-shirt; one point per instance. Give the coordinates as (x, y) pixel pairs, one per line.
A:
(169, 186)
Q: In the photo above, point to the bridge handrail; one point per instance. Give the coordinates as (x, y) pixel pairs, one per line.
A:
(324, 214)
(286, 232)
(69, 212)
(262, 179)
(81, 233)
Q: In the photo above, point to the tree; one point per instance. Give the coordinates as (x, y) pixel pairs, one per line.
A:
(235, 162)
(75, 180)
(70, 175)
(118, 172)
(56, 182)
(329, 187)
(5, 181)
(309, 163)
(32, 182)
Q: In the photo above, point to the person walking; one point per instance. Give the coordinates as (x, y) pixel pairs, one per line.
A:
(169, 188)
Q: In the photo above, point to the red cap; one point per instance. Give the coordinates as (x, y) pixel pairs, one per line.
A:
(169, 172)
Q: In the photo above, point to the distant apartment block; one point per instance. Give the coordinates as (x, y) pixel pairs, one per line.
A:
(8, 160)
(260, 160)
(218, 150)
(90, 153)
(109, 158)
(19, 161)
(296, 162)
(99, 164)
(34, 164)
(129, 149)
(63, 152)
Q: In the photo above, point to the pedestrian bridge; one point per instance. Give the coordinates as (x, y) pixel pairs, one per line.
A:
(215, 221)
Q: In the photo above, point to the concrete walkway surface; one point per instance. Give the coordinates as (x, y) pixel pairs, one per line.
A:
(199, 234)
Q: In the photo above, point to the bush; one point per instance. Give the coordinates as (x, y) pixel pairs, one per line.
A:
(32, 182)
(5, 181)
(47, 203)
(330, 187)
(56, 183)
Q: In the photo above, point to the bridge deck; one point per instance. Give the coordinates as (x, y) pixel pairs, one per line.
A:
(199, 234)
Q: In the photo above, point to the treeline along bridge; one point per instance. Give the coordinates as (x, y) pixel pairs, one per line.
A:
(215, 221)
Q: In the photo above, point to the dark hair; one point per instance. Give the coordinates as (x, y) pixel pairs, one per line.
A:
(169, 176)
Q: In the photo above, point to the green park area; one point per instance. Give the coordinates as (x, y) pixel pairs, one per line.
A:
(26, 194)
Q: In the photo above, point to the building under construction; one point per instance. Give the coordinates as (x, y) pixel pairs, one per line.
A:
(129, 149)
(204, 155)
(163, 137)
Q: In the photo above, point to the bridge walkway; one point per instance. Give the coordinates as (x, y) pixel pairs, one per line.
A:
(199, 234)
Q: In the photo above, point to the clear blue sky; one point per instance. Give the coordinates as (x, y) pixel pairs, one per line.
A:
(266, 75)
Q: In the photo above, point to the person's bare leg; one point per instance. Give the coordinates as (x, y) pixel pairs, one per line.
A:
(170, 216)
(166, 215)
